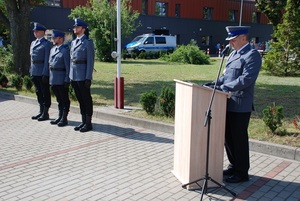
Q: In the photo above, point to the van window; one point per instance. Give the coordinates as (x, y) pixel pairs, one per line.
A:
(160, 40)
(137, 39)
(149, 40)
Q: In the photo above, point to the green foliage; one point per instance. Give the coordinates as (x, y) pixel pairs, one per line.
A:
(134, 55)
(272, 117)
(167, 101)
(142, 55)
(284, 57)
(17, 81)
(272, 9)
(27, 82)
(6, 59)
(148, 101)
(3, 80)
(101, 17)
(72, 93)
(188, 54)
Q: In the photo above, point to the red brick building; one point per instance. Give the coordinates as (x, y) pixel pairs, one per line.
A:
(202, 20)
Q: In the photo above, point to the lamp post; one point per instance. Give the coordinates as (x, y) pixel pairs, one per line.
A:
(241, 13)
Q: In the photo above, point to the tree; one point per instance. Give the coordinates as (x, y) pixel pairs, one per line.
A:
(101, 17)
(16, 18)
(272, 9)
(284, 57)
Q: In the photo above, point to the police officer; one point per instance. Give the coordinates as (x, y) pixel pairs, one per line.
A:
(59, 65)
(82, 64)
(242, 69)
(39, 70)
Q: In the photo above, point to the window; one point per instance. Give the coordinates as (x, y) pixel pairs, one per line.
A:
(145, 7)
(177, 10)
(149, 40)
(207, 13)
(232, 16)
(205, 40)
(256, 17)
(56, 3)
(161, 8)
(160, 40)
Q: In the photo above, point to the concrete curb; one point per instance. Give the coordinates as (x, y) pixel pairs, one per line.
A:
(112, 114)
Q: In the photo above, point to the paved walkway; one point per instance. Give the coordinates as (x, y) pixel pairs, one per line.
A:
(116, 161)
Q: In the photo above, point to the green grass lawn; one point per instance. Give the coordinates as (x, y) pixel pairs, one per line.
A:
(144, 75)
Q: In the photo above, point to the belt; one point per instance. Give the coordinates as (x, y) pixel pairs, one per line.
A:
(38, 62)
(57, 69)
(79, 61)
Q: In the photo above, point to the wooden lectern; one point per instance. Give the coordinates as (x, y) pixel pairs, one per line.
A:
(190, 138)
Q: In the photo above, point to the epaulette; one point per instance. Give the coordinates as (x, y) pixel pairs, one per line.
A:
(66, 46)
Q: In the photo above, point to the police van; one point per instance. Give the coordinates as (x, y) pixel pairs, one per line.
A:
(152, 43)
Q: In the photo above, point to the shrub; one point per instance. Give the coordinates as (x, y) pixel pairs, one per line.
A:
(17, 82)
(148, 101)
(72, 93)
(190, 54)
(142, 55)
(133, 55)
(3, 80)
(27, 82)
(272, 117)
(167, 101)
(6, 58)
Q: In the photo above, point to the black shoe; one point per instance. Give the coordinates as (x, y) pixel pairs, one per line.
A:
(86, 128)
(228, 172)
(236, 179)
(77, 128)
(36, 116)
(55, 121)
(43, 118)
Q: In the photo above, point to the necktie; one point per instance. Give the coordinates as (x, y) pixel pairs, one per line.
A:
(77, 41)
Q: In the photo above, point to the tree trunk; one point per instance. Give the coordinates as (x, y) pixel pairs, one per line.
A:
(19, 18)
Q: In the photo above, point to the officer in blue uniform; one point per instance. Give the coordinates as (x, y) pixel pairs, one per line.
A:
(39, 70)
(59, 65)
(82, 65)
(242, 69)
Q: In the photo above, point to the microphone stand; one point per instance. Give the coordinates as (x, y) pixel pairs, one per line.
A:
(207, 122)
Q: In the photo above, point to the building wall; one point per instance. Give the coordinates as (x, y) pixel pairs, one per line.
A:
(206, 32)
(192, 9)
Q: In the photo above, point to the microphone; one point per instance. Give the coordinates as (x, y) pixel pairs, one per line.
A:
(225, 49)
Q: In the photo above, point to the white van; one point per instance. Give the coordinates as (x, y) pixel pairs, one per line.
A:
(153, 43)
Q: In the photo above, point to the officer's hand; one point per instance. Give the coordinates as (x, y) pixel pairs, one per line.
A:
(45, 79)
(224, 88)
(67, 85)
(208, 84)
(87, 83)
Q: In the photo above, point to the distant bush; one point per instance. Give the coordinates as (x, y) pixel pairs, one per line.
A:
(189, 54)
(17, 81)
(27, 82)
(3, 80)
(142, 55)
(6, 58)
(272, 116)
(148, 101)
(167, 101)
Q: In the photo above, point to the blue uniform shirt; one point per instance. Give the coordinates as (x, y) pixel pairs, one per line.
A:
(39, 52)
(59, 65)
(82, 59)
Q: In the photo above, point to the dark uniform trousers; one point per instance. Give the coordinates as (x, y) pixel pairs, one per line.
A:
(237, 141)
(62, 97)
(83, 95)
(42, 91)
